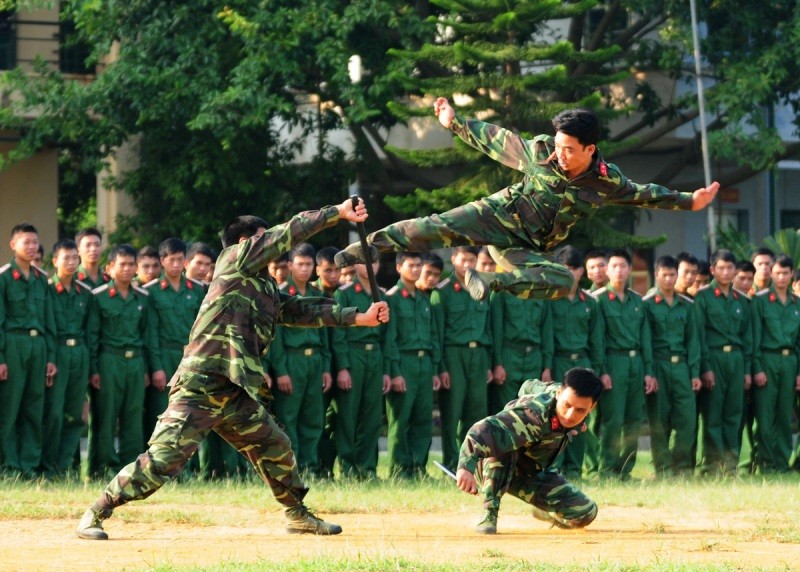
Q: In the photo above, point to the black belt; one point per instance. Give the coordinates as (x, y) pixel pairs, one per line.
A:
(726, 348)
(627, 353)
(172, 346)
(70, 342)
(304, 351)
(780, 351)
(470, 345)
(418, 353)
(524, 349)
(32, 332)
(572, 356)
(121, 352)
(671, 358)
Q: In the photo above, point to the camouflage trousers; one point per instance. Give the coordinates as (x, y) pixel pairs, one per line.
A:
(512, 243)
(547, 490)
(199, 404)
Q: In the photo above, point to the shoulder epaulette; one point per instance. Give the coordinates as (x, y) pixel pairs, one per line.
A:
(393, 290)
(283, 287)
(5, 268)
(685, 298)
(443, 283)
(382, 289)
(650, 294)
(586, 291)
(703, 288)
(140, 290)
(742, 293)
(197, 282)
(761, 292)
(634, 292)
(40, 270)
(101, 289)
(153, 281)
(599, 292)
(344, 287)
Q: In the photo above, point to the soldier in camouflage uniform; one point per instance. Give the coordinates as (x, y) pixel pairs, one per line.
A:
(220, 383)
(565, 179)
(514, 452)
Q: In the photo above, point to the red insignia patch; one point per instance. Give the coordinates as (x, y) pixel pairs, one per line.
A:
(772, 297)
(292, 290)
(717, 292)
(603, 168)
(81, 276)
(112, 292)
(16, 274)
(457, 287)
(77, 288)
(583, 298)
(554, 423)
(358, 288)
(106, 277)
(189, 284)
(404, 293)
(59, 287)
(611, 296)
(35, 272)
(658, 299)
(164, 284)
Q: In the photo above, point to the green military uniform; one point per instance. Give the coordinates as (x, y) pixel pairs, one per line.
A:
(676, 357)
(27, 345)
(415, 355)
(627, 361)
(578, 342)
(359, 411)
(326, 451)
(526, 220)
(83, 276)
(514, 452)
(465, 334)
(725, 331)
(63, 418)
(522, 331)
(776, 341)
(220, 385)
(119, 349)
(171, 314)
(304, 355)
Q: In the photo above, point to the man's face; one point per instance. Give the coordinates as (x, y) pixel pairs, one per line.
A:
(430, 276)
(781, 276)
(596, 271)
(122, 269)
(173, 264)
(328, 274)
(577, 273)
(763, 264)
(665, 278)
(485, 263)
(411, 269)
(347, 274)
(301, 268)
(90, 249)
(618, 271)
(572, 409)
(197, 267)
(743, 281)
(462, 261)
(573, 157)
(25, 246)
(66, 261)
(687, 274)
(148, 269)
(723, 272)
(361, 270)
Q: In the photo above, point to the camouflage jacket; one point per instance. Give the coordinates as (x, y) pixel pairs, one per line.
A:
(546, 203)
(237, 319)
(528, 425)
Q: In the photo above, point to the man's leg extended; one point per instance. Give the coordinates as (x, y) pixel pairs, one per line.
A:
(554, 499)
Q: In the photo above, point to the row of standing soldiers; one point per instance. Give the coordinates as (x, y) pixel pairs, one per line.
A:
(660, 354)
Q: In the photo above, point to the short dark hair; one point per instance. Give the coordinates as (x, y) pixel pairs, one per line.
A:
(243, 226)
(703, 268)
(64, 244)
(666, 261)
(596, 253)
(88, 231)
(121, 250)
(468, 249)
(147, 251)
(581, 123)
(570, 256)
(327, 254)
(172, 245)
(722, 254)
(401, 256)
(621, 253)
(201, 248)
(796, 275)
(433, 259)
(784, 261)
(484, 249)
(745, 266)
(762, 251)
(23, 227)
(303, 249)
(282, 257)
(584, 382)
(687, 258)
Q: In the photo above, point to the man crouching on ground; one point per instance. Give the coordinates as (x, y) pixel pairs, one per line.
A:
(220, 384)
(514, 451)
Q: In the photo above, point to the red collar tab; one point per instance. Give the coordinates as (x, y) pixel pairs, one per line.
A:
(555, 425)
(35, 272)
(611, 295)
(112, 292)
(164, 284)
(772, 297)
(735, 295)
(292, 290)
(359, 288)
(583, 297)
(189, 284)
(59, 287)
(404, 293)
(81, 276)
(16, 274)
(456, 286)
(658, 299)
(717, 292)
(603, 168)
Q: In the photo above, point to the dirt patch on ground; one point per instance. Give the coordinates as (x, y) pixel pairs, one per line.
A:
(624, 535)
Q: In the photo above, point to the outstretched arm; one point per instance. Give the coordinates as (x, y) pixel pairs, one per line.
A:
(701, 198)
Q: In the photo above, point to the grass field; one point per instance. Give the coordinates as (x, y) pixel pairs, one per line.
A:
(730, 524)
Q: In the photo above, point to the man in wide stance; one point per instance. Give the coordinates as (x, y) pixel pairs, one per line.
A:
(514, 451)
(220, 382)
(565, 178)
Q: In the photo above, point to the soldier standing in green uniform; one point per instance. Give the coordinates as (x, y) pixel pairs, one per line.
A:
(301, 360)
(27, 353)
(90, 248)
(361, 382)
(514, 452)
(432, 267)
(676, 357)
(465, 333)
(199, 261)
(687, 273)
(596, 265)
(565, 180)
(220, 384)
(415, 354)
(776, 378)
(627, 372)
(724, 325)
(174, 303)
(119, 346)
(743, 282)
(148, 265)
(522, 331)
(63, 417)
(577, 342)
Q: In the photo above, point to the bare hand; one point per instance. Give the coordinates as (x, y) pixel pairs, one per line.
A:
(327, 381)
(466, 482)
(285, 384)
(3, 372)
(499, 374)
(51, 370)
(437, 383)
(48, 381)
(387, 383)
(376, 314)
(159, 380)
(94, 380)
(797, 383)
(701, 198)
(650, 384)
(268, 380)
(760, 379)
(696, 384)
(399, 384)
(606, 379)
(146, 380)
(708, 380)
(443, 110)
(748, 381)
(444, 377)
(547, 377)
(359, 214)
(343, 380)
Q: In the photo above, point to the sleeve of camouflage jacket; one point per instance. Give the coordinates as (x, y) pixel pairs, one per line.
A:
(314, 312)
(495, 435)
(500, 144)
(649, 195)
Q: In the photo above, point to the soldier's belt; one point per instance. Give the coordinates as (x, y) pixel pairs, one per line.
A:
(572, 356)
(522, 349)
(129, 353)
(33, 332)
(70, 342)
(304, 351)
(365, 347)
(172, 346)
(470, 345)
(671, 358)
(785, 352)
(627, 353)
(726, 349)
(418, 353)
